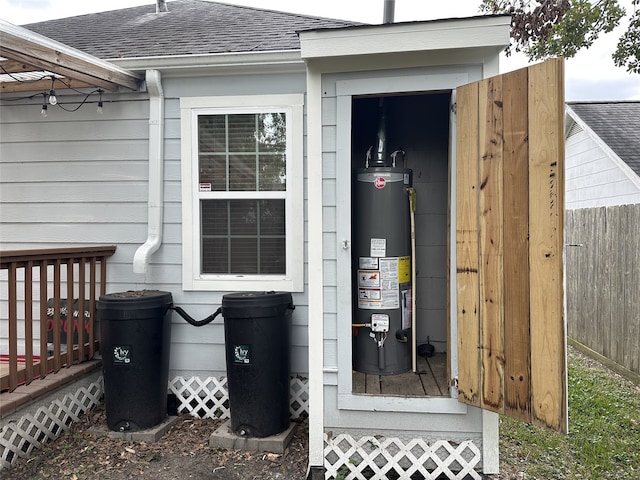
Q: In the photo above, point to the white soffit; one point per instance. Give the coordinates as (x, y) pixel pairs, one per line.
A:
(450, 34)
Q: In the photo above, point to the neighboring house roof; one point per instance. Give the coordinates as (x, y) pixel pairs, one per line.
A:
(617, 124)
(189, 27)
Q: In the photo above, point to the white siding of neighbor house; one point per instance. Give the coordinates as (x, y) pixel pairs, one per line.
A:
(595, 177)
(80, 178)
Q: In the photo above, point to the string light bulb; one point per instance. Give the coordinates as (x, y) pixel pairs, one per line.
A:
(43, 112)
(53, 100)
(99, 110)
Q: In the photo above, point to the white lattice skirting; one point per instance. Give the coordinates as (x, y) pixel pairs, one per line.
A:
(18, 439)
(209, 398)
(379, 458)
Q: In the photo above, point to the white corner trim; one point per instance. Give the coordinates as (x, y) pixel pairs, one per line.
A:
(490, 438)
(315, 262)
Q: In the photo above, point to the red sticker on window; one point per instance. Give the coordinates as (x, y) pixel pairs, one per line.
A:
(379, 182)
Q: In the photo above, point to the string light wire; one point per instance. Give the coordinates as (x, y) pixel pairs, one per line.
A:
(51, 95)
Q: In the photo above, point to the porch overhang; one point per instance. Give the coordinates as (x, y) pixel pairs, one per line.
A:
(32, 62)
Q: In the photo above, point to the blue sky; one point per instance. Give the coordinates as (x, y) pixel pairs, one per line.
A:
(591, 75)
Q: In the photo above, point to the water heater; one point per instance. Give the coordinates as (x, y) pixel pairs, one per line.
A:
(382, 288)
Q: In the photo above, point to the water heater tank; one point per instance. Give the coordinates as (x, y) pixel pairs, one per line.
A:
(381, 270)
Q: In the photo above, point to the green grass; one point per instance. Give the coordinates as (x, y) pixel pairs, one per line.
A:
(604, 431)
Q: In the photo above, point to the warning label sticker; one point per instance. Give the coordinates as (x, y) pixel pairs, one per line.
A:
(368, 263)
(404, 269)
(369, 295)
(368, 278)
(378, 247)
(380, 289)
(406, 308)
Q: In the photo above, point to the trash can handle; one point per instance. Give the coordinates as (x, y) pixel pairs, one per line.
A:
(196, 323)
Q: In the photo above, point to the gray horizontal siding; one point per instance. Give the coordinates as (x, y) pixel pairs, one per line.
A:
(81, 178)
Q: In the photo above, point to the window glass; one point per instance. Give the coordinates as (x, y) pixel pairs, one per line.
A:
(243, 152)
(243, 236)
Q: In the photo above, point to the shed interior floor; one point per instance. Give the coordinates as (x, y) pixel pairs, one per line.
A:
(430, 380)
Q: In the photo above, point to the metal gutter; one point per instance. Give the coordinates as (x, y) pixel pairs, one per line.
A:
(156, 173)
(285, 60)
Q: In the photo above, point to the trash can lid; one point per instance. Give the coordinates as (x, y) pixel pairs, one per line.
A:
(139, 298)
(256, 299)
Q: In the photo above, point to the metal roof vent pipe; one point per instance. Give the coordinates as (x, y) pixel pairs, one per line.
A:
(389, 11)
(161, 6)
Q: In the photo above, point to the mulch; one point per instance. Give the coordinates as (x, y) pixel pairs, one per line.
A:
(183, 452)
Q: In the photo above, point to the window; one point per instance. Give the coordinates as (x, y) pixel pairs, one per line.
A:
(242, 190)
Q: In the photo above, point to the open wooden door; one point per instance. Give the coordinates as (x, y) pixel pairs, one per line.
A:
(509, 244)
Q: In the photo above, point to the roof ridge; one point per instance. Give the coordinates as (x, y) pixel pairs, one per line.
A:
(169, 2)
(293, 14)
(203, 27)
(42, 22)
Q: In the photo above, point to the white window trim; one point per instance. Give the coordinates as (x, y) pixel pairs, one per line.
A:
(293, 279)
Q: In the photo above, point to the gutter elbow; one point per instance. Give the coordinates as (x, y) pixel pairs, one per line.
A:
(141, 257)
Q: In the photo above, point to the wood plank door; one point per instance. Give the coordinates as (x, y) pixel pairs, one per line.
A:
(509, 244)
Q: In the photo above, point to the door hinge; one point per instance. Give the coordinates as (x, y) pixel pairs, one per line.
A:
(454, 107)
(453, 387)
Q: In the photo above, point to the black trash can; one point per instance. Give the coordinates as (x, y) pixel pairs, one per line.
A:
(135, 338)
(257, 328)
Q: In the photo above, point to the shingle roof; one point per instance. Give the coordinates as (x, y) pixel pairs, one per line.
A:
(617, 124)
(189, 27)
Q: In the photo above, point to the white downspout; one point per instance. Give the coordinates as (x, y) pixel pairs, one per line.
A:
(156, 173)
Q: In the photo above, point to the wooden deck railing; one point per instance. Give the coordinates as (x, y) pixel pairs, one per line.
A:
(36, 281)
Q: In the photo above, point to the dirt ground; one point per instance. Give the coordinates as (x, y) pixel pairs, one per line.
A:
(182, 453)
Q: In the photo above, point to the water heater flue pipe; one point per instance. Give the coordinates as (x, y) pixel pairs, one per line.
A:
(389, 11)
(156, 173)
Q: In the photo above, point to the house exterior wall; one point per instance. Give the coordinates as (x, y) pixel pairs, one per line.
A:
(81, 178)
(76, 179)
(594, 178)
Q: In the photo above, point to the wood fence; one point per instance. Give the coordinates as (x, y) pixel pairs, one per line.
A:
(603, 281)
